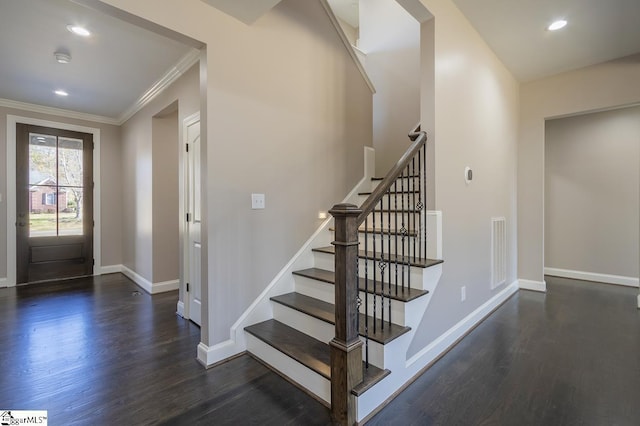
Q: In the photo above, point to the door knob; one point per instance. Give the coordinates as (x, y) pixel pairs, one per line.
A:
(21, 223)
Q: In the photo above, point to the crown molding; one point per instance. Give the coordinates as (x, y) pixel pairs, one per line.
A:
(58, 112)
(159, 86)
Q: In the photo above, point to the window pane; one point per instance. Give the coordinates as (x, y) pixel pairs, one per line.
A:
(70, 162)
(70, 201)
(42, 159)
(42, 211)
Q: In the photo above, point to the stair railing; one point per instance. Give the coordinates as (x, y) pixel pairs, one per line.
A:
(390, 227)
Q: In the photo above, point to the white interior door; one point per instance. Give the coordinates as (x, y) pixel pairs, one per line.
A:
(194, 219)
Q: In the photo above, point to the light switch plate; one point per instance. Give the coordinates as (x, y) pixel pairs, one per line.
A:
(257, 201)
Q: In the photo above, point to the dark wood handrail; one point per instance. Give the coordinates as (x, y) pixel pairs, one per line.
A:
(419, 139)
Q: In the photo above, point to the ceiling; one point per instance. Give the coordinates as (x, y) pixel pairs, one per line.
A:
(120, 65)
(109, 72)
(598, 31)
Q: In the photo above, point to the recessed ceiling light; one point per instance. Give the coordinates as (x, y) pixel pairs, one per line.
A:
(61, 92)
(78, 30)
(556, 25)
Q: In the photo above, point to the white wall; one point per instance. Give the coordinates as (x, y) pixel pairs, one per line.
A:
(592, 192)
(472, 101)
(390, 37)
(598, 87)
(287, 114)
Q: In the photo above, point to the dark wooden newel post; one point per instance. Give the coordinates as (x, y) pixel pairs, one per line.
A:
(346, 352)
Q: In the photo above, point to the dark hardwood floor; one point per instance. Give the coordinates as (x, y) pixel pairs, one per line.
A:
(567, 357)
(91, 352)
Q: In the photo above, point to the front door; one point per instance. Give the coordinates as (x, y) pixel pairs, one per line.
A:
(54, 203)
(194, 242)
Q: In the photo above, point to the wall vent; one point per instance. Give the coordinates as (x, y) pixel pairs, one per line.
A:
(498, 251)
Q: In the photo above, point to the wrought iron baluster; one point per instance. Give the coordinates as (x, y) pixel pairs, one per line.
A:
(366, 294)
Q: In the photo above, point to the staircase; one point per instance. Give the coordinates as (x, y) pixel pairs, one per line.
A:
(390, 278)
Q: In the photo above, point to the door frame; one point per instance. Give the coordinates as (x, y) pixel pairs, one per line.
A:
(184, 306)
(12, 120)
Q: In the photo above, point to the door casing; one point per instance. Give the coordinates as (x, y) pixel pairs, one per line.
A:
(12, 120)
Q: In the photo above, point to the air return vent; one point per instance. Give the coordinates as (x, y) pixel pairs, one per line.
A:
(498, 251)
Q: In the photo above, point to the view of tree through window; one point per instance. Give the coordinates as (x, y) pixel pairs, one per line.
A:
(55, 186)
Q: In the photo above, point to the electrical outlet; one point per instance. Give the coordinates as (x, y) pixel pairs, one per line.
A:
(257, 201)
(463, 293)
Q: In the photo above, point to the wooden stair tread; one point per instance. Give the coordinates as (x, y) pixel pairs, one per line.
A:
(308, 351)
(406, 191)
(382, 231)
(404, 295)
(420, 263)
(326, 312)
(377, 178)
(303, 348)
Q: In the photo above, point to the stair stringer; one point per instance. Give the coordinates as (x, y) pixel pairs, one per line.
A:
(261, 309)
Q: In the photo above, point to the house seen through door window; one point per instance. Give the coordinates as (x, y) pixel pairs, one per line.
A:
(55, 185)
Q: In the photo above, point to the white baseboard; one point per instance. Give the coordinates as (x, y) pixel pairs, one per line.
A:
(180, 308)
(593, 276)
(111, 269)
(532, 285)
(164, 286)
(148, 286)
(450, 337)
(211, 355)
(3, 282)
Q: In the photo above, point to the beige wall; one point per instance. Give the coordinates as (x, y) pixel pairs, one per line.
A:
(390, 37)
(475, 118)
(593, 88)
(166, 200)
(151, 161)
(287, 114)
(110, 183)
(592, 188)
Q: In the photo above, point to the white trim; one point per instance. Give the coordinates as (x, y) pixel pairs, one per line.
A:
(592, 276)
(58, 112)
(3, 282)
(450, 337)
(639, 301)
(148, 286)
(180, 308)
(12, 120)
(183, 195)
(138, 279)
(210, 355)
(347, 44)
(185, 63)
(165, 286)
(111, 269)
(532, 285)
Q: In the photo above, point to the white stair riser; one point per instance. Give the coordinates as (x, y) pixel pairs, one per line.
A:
(384, 220)
(388, 245)
(415, 279)
(305, 377)
(408, 198)
(323, 331)
(325, 292)
(314, 288)
(409, 183)
(412, 275)
(318, 329)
